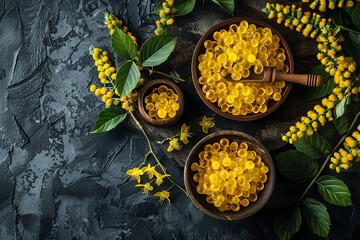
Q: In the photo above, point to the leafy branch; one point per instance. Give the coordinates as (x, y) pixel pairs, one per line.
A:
(154, 51)
(329, 156)
(296, 165)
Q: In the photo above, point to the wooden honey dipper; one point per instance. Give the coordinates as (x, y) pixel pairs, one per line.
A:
(271, 75)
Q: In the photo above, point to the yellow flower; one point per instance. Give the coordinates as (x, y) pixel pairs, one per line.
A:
(206, 123)
(135, 174)
(160, 178)
(184, 133)
(349, 4)
(170, 21)
(163, 195)
(174, 144)
(145, 187)
(93, 88)
(351, 142)
(150, 170)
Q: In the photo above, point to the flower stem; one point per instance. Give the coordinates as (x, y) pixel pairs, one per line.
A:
(347, 29)
(145, 158)
(170, 187)
(151, 150)
(329, 156)
(151, 71)
(166, 139)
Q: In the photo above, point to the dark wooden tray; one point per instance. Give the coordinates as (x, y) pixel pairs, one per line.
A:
(188, 31)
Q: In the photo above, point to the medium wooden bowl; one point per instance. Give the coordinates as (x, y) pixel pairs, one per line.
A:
(147, 89)
(200, 199)
(199, 49)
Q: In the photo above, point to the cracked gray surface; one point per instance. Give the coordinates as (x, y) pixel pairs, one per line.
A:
(58, 181)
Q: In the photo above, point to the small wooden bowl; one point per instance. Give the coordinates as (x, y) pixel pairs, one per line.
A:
(147, 89)
(200, 199)
(272, 105)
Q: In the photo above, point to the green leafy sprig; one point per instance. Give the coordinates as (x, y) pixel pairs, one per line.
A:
(312, 154)
(184, 7)
(302, 165)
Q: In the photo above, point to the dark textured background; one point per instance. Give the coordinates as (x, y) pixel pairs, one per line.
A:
(59, 182)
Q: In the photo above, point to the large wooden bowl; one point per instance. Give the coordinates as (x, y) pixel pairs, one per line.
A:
(147, 89)
(200, 199)
(199, 49)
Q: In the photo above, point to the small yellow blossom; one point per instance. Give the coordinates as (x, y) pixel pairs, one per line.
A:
(163, 195)
(206, 123)
(135, 174)
(160, 178)
(184, 133)
(174, 144)
(146, 188)
(150, 170)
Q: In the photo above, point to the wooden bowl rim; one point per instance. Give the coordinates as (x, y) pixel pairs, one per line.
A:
(150, 85)
(229, 215)
(194, 68)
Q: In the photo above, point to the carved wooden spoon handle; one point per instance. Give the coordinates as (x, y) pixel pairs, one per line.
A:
(311, 80)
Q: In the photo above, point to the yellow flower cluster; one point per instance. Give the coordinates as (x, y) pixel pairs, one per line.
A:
(338, 66)
(153, 175)
(310, 123)
(295, 18)
(112, 22)
(128, 101)
(322, 5)
(167, 14)
(107, 76)
(349, 153)
(183, 136)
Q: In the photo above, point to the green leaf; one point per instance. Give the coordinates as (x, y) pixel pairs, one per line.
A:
(330, 133)
(352, 45)
(320, 70)
(312, 93)
(317, 217)
(355, 107)
(348, 11)
(334, 191)
(296, 166)
(285, 194)
(127, 78)
(341, 124)
(340, 18)
(91, 49)
(109, 119)
(340, 108)
(123, 45)
(355, 17)
(287, 223)
(315, 146)
(319, 92)
(156, 50)
(227, 5)
(158, 8)
(184, 7)
(335, 31)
